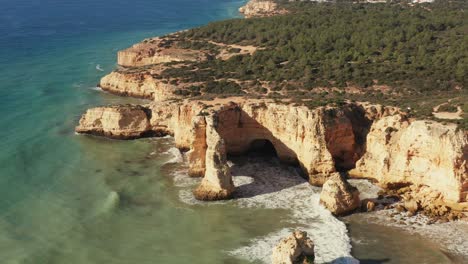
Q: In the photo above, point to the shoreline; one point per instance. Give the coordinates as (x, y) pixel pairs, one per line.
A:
(263, 195)
(240, 182)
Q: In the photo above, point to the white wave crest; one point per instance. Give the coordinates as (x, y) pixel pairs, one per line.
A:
(177, 157)
(96, 88)
(262, 184)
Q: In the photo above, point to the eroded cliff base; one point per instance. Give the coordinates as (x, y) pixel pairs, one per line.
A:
(374, 142)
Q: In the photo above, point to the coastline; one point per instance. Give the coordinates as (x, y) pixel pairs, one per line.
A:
(259, 246)
(290, 192)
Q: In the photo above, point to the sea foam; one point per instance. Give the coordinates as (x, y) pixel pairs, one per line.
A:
(176, 156)
(266, 184)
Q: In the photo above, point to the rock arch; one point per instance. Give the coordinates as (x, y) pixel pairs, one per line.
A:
(321, 140)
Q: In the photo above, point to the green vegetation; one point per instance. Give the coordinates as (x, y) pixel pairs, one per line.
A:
(412, 57)
(334, 44)
(448, 108)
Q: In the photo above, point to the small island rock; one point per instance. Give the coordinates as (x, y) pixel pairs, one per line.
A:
(339, 196)
(296, 248)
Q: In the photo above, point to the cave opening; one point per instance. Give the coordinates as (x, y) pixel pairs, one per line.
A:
(262, 147)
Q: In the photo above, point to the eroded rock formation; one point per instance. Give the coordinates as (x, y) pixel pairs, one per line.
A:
(339, 196)
(383, 144)
(296, 248)
(217, 183)
(401, 152)
(261, 8)
(121, 122)
(155, 51)
(139, 84)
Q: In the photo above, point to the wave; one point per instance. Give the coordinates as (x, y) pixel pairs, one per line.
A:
(262, 184)
(451, 235)
(99, 68)
(177, 157)
(96, 88)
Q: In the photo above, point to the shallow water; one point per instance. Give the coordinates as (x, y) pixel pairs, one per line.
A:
(66, 198)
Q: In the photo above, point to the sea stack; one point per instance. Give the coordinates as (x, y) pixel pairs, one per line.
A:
(339, 196)
(296, 248)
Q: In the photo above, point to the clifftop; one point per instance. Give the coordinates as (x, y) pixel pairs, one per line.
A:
(274, 57)
(224, 87)
(261, 8)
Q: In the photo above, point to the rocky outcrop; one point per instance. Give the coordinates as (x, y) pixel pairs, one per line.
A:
(217, 183)
(198, 145)
(339, 196)
(401, 152)
(155, 51)
(261, 8)
(121, 122)
(142, 85)
(297, 248)
(319, 140)
(385, 145)
(416, 199)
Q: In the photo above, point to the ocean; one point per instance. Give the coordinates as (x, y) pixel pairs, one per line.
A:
(66, 198)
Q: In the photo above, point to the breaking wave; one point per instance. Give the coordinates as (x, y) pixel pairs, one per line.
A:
(267, 184)
(176, 156)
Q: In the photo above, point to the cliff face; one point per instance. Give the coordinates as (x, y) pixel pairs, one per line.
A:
(217, 183)
(115, 122)
(298, 134)
(141, 85)
(155, 51)
(260, 8)
(424, 153)
(381, 143)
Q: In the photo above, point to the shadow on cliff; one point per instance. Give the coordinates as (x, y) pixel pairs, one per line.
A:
(242, 133)
(267, 163)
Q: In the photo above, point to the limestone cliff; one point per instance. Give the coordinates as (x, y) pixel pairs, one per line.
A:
(379, 142)
(261, 8)
(155, 51)
(300, 136)
(115, 122)
(141, 85)
(427, 153)
(217, 183)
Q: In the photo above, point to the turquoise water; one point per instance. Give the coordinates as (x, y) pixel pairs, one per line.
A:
(57, 190)
(76, 199)
(49, 52)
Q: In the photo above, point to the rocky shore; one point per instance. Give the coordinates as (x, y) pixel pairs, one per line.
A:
(421, 165)
(371, 141)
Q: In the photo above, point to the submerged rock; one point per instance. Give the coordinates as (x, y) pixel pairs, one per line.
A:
(297, 248)
(339, 196)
